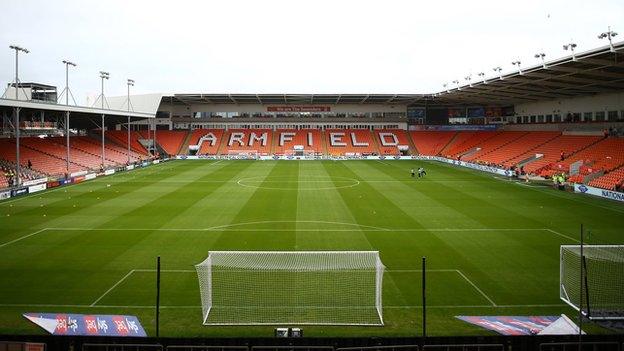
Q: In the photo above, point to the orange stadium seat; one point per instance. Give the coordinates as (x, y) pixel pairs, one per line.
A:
(604, 155)
(389, 140)
(613, 180)
(551, 151)
(259, 140)
(208, 140)
(431, 143)
(169, 140)
(286, 139)
(522, 145)
(342, 142)
(467, 141)
(121, 138)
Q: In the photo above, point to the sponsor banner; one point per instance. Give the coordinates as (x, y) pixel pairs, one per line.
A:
(145, 164)
(484, 168)
(65, 181)
(5, 194)
(53, 184)
(18, 192)
(129, 168)
(517, 325)
(607, 194)
(155, 162)
(88, 325)
(36, 188)
(298, 108)
(78, 174)
(90, 176)
(109, 172)
(35, 181)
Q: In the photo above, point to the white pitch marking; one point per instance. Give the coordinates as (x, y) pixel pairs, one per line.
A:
(23, 237)
(476, 287)
(111, 288)
(562, 235)
(198, 307)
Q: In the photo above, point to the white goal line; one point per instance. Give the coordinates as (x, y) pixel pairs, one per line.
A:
(152, 270)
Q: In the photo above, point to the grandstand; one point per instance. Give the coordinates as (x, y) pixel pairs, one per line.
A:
(174, 179)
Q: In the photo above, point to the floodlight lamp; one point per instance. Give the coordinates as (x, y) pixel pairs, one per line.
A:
(19, 48)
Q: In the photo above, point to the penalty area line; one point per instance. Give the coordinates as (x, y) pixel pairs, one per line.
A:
(23, 237)
(476, 287)
(111, 288)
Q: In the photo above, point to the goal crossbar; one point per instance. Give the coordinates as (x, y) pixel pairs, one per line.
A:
(291, 287)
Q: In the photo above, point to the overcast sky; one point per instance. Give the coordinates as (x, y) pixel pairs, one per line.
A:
(266, 46)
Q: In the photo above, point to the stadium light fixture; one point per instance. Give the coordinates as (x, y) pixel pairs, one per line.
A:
(517, 63)
(66, 91)
(609, 35)
(498, 70)
(17, 49)
(482, 75)
(571, 47)
(469, 79)
(542, 56)
(445, 85)
(456, 82)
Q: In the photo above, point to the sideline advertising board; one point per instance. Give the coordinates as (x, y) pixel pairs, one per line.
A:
(607, 194)
(37, 188)
(35, 181)
(88, 325)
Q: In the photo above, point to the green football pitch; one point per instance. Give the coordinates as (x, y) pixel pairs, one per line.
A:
(492, 245)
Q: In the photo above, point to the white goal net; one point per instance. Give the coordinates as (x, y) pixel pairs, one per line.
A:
(242, 154)
(291, 287)
(602, 292)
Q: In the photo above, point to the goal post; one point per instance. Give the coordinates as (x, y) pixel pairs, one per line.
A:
(291, 287)
(242, 154)
(603, 284)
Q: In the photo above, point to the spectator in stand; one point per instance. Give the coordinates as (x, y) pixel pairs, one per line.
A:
(562, 155)
(29, 164)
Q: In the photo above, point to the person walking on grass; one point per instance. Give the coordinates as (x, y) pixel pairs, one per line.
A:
(412, 172)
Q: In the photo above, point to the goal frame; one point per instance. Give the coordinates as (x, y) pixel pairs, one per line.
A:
(243, 155)
(379, 272)
(562, 289)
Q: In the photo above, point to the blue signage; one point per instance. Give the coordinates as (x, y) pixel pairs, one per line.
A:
(88, 325)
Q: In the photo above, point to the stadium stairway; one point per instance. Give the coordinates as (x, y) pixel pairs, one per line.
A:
(207, 146)
(170, 141)
(468, 143)
(184, 148)
(551, 151)
(432, 143)
(494, 143)
(605, 155)
(42, 162)
(520, 146)
(120, 137)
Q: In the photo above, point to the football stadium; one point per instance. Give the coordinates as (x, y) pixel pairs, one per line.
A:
(485, 214)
